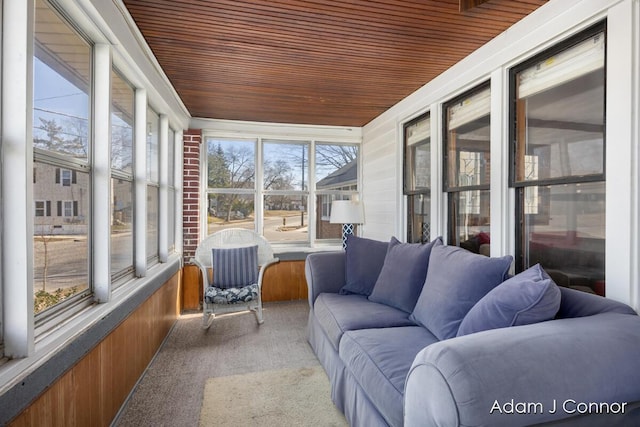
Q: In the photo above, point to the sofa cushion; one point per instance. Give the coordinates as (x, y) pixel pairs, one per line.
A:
(528, 297)
(340, 313)
(403, 274)
(363, 261)
(456, 281)
(379, 360)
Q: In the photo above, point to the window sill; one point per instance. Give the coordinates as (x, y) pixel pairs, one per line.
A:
(299, 253)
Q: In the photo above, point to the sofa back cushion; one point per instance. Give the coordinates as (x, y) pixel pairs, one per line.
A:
(528, 297)
(456, 280)
(363, 262)
(403, 273)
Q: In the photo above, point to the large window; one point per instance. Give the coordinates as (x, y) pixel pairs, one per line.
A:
(417, 178)
(558, 169)
(467, 164)
(122, 113)
(280, 183)
(61, 129)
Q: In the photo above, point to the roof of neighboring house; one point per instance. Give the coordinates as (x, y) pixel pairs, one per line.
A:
(346, 175)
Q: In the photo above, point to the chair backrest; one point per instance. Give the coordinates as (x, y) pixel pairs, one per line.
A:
(233, 238)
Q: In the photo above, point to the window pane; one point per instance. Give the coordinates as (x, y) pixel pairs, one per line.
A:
(153, 126)
(171, 218)
(419, 221)
(230, 210)
(565, 233)
(560, 114)
(152, 221)
(467, 141)
(417, 152)
(286, 219)
(121, 226)
(324, 229)
(122, 113)
(336, 167)
(469, 219)
(286, 166)
(172, 158)
(231, 163)
(61, 85)
(61, 254)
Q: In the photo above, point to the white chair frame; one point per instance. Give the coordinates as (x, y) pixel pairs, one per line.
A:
(232, 238)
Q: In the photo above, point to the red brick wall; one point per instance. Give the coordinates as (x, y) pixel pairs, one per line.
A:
(191, 192)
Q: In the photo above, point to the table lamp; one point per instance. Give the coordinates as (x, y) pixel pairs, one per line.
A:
(348, 213)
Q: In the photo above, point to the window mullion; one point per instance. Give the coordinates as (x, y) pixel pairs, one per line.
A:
(259, 187)
(140, 192)
(101, 182)
(17, 178)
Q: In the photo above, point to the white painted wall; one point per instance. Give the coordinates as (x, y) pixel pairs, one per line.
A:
(550, 24)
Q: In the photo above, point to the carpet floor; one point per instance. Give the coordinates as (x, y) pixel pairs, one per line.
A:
(296, 397)
(171, 391)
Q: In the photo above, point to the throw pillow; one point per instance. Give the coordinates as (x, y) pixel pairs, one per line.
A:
(364, 260)
(402, 275)
(457, 279)
(235, 267)
(528, 297)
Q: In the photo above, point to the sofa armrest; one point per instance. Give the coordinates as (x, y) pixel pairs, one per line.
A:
(527, 374)
(325, 272)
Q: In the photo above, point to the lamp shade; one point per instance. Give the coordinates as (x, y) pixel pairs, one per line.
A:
(347, 212)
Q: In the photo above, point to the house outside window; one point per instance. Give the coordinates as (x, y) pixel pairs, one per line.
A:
(558, 167)
(467, 164)
(417, 178)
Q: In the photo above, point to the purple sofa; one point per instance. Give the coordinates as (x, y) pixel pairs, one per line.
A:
(567, 358)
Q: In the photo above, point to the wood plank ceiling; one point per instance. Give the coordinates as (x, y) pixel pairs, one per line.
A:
(318, 62)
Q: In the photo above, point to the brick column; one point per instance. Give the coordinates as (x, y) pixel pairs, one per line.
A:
(191, 193)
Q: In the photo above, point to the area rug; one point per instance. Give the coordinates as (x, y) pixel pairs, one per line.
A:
(285, 397)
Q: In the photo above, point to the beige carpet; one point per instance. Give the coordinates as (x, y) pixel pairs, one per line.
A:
(283, 397)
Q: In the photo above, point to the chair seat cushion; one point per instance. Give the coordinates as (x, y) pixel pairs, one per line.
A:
(215, 295)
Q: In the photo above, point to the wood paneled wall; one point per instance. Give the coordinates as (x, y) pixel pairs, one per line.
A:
(92, 392)
(283, 281)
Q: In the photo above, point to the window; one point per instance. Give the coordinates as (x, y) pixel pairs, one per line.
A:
(231, 178)
(558, 170)
(153, 184)
(417, 178)
(122, 239)
(467, 169)
(61, 112)
(336, 167)
(285, 192)
(171, 220)
(285, 185)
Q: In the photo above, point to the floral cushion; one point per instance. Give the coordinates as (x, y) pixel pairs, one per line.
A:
(215, 295)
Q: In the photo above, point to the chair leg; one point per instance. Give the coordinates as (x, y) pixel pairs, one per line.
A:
(207, 319)
(258, 313)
